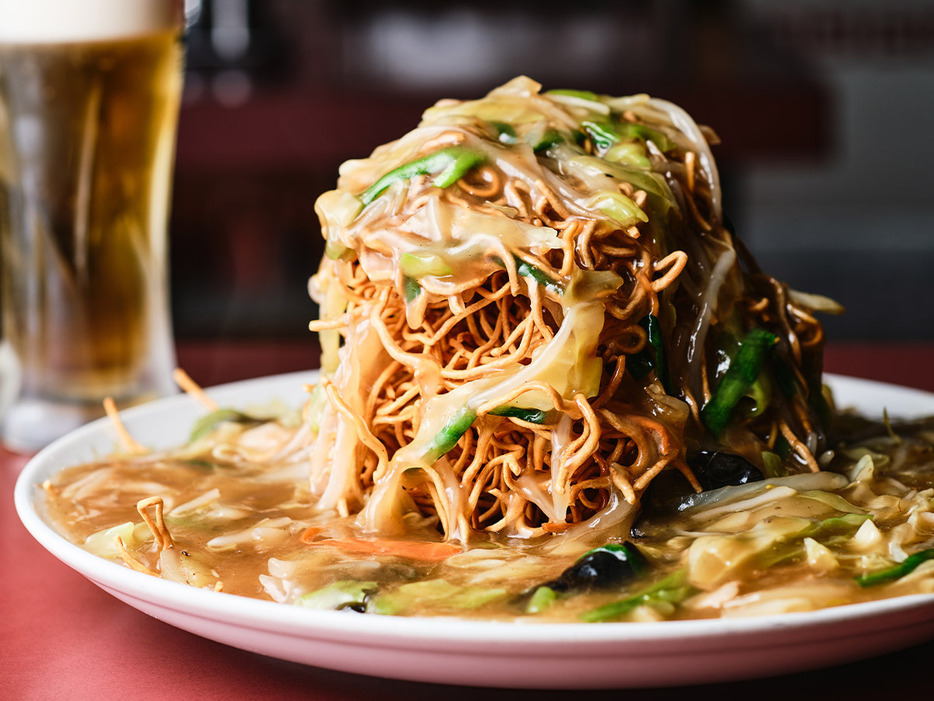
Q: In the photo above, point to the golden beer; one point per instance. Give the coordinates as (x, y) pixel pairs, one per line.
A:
(87, 140)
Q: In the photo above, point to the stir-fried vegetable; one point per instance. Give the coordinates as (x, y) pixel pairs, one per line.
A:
(447, 438)
(448, 165)
(907, 566)
(344, 594)
(409, 598)
(412, 288)
(664, 594)
(743, 371)
(533, 416)
(530, 271)
(606, 134)
(416, 265)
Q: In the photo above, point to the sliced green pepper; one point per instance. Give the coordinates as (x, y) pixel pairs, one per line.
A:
(505, 133)
(463, 419)
(452, 431)
(605, 134)
(530, 271)
(450, 164)
(533, 416)
(602, 134)
(736, 381)
(632, 130)
(549, 138)
(909, 565)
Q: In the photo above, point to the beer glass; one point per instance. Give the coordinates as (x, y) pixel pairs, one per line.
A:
(89, 99)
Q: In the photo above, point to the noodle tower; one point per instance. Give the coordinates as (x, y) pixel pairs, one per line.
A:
(531, 305)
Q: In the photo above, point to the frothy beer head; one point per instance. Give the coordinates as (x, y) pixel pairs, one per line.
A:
(53, 21)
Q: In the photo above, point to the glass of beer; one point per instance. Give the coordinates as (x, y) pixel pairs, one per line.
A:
(89, 100)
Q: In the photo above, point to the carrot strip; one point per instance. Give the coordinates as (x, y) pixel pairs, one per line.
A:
(309, 534)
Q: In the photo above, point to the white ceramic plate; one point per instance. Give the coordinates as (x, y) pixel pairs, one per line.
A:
(564, 655)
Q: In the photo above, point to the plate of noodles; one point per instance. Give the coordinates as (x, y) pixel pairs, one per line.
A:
(565, 431)
(519, 653)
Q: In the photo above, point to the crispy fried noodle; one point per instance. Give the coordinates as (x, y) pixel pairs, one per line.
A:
(531, 305)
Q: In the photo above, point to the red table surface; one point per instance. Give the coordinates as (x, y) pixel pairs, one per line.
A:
(63, 638)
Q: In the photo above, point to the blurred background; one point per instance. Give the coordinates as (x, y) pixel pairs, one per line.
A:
(823, 106)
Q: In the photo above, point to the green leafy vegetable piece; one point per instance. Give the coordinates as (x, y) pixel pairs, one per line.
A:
(413, 596)
(448, 165)
(339, 595)
(665, 593)
(909, 565)
(412, 288)
(631, 154)
(102, 543)
(338, 251)
(836, 526)
(209, 422)
(417, 265)
(736, 381)
(618, 207)
(834, 501)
